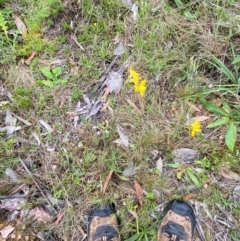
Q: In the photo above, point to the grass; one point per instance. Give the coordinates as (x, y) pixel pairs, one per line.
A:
(182, 49)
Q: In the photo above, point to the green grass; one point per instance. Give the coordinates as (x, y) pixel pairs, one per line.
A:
(185, 50)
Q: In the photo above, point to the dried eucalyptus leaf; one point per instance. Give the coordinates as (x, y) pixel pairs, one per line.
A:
(185, 155)
(14, 203)
(114, 81)
(130, 170)
(10, 120)
(10, 129)
(6, 231)
(122, 135)
(46, 125)
(134, 10)
(94, 109)
(236, 192)
(13, 175)
(119, 50)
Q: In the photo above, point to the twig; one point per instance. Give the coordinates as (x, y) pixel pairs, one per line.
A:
(104, 76)
(200, 231)
(77, 43)
(13, 196)
(106, 182)
(31, 175)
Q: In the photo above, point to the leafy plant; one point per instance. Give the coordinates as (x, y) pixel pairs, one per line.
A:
(23, 97)
(3, 24)
(53, 77)
(233, 76)
(186, 12)
(226, 116)
(188, 171)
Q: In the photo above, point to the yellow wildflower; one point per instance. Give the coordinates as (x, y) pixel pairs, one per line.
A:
(140, 87)
(135, 76)
(195, 128)
(95, 24)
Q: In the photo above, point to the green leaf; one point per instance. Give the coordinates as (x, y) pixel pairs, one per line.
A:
(193, 177)
(122, 177)
(63, 81)
(219, 122)
(48, 83)
(236, 60)
(178, 3)
(223, 68)
(173, 165)
(231, 136)
(188, 14)
(133, 238)
(213, 108)
(47, 73)
(227, 107)
(57, 71)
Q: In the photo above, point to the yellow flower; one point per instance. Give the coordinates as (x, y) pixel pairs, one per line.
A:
(140, 87)
(135, 76)
(195, 128)
(95, 24)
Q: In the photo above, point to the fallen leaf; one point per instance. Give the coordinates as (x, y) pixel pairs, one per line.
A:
(10, 129)
(16, 189)
(86, 99)
(39, 215)
(114, 81)
(180, 171)
(46, 126)
(159, 165)
(139, 192)
(122, 135)
(197, 118)
(193, 106)
(13, 204)
(96, 106)
(23, 140)
(60, 216)
(118, 142)
(119, 50)
(10, 120)
(20, 25)
(106, 182)
(230, 175)
(185, 155)
(130, 170)
(27, 123)
(106, 93)
(134, 10)
(36, 136)
(189, 197)
(236, 192)
(133, 213)
(13, 175)
(2, 103)
(30, 58)
(6, 231)
(12, 215)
